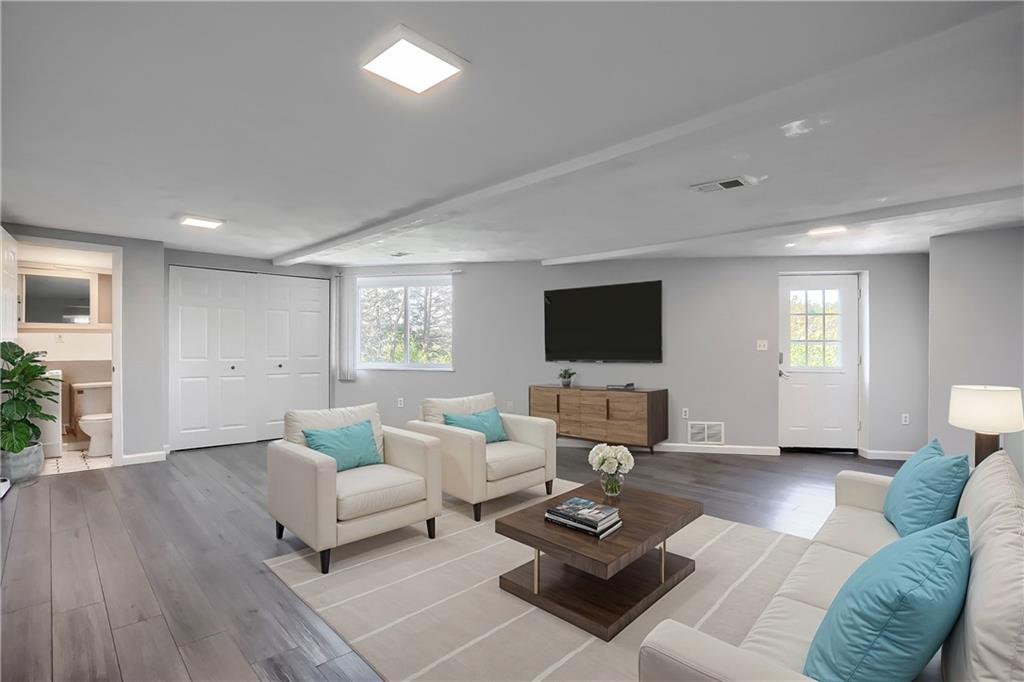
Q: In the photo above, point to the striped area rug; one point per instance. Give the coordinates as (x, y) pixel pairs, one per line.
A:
(416, 608)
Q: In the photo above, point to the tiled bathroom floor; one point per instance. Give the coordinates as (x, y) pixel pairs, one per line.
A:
(74, 460)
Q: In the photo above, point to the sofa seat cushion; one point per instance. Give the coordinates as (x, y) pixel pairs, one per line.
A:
(433, 409)
(857, 530)
(784, 631)
(509, 458)
(818, 576)
(376, 488)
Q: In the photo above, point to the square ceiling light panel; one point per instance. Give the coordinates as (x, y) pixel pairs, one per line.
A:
(414, 62)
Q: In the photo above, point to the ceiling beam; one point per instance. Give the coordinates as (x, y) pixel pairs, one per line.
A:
(799, 228)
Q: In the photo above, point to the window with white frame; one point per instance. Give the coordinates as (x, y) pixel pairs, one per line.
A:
(404, 322)
(814, 329)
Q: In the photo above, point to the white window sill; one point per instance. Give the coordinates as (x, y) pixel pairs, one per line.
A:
(403, 368)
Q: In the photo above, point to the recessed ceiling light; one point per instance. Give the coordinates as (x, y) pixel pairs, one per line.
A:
(790, 245)
(199, 221)
(414, 62)
(831, 229)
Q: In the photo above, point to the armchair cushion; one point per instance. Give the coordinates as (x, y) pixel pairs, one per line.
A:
(349, 446)
(487, 422)
(375, 488)
(297, 420)
(433, 409)
(509, 458)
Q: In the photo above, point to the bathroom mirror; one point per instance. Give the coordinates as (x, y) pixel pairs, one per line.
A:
(57, 299)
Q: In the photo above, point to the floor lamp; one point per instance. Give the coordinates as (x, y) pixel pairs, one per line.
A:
(988, 411)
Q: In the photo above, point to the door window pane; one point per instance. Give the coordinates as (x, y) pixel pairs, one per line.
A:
(798, 327)
(815, 355)
(798, 355)
(815, 304)
(831, 327)
(796, 302)
(815, 327)
(831, 355)
(831, 300)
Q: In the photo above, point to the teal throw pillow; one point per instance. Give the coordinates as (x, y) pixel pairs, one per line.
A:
(895, 610)
(487, 422)
(926, 489)
(350, 446)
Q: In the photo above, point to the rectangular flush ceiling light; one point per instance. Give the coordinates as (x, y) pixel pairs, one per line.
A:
(831, 229)
(414, 62)
(197, 221)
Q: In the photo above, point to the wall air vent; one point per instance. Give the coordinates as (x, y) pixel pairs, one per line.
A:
(707, 433)
(717, 185)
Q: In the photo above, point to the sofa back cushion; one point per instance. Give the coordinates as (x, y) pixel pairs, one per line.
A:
(926, 490)
(297, 420)
(987, 642)
(892, 614)
(434, 409)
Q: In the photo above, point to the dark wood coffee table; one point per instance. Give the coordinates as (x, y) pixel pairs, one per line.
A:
(600, 586)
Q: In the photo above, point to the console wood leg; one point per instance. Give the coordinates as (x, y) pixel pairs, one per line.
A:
(431, 529)
(280, 530)
(477, 509)
(548, 486)
(325, 561)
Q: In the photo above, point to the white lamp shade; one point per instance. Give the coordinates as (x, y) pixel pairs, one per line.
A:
(986, 409)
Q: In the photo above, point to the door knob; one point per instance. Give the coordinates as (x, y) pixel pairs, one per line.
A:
(783, 374)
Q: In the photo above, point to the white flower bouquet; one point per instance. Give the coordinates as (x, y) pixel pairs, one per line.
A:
(613, 461)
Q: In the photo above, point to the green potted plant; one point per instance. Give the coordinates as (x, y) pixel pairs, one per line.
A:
(566, 376)
(23, 383)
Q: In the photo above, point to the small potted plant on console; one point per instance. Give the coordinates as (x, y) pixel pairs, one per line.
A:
(566, 376)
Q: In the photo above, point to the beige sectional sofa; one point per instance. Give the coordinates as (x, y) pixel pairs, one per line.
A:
(986, 644)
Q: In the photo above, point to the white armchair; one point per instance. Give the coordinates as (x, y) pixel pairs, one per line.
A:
(476, 471)
(327, 508)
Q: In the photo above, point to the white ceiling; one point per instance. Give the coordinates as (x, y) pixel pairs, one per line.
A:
(573, 134)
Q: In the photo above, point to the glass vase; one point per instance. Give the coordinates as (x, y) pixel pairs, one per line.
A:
(612, 483)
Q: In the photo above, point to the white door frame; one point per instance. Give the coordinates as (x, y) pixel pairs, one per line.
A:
(116, 385)
(863, 342)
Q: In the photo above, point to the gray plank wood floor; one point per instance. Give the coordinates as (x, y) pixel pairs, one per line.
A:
(154, 571)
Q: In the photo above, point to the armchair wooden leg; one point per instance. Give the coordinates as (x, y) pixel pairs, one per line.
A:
(431, 529)
(280, 530)
(548, 486)
(325, 561)
(477, 509)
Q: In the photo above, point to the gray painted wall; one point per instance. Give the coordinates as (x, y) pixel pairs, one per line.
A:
(714, 310)
(143, 337)
(976, 324)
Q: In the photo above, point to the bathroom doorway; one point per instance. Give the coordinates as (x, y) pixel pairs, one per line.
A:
(69, 305)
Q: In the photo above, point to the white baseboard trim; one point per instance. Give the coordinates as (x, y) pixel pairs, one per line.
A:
(898, 455)
(769, 450)
(144, 457)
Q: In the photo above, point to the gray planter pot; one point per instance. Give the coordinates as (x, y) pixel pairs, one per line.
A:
(22, 466)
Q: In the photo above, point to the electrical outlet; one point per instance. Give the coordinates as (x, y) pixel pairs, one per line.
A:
(905, 418)
(510, 404)
(400, 402)
(686, 413)
(762, 344)
(59, 339)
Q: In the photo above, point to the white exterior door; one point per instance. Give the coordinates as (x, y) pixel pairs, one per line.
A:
(819, 372)
(8, 287)
(243, 348)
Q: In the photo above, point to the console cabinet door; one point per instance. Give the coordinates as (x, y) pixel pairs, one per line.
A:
(569, 415)
(544, 403)
(594, 414)
(627, 418)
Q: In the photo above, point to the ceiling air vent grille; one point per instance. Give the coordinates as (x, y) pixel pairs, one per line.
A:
(717, 185)
(707, 433)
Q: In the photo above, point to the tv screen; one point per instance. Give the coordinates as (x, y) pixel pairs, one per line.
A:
(615, 323)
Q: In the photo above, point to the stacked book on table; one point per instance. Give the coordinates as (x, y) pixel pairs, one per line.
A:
(585, 516)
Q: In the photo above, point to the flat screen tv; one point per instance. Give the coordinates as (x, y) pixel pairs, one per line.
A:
(614, 323)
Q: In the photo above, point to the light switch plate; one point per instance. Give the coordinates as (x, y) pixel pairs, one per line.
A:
(762, 344)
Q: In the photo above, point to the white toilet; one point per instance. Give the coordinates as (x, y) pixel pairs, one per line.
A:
(92, 403)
